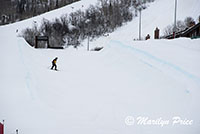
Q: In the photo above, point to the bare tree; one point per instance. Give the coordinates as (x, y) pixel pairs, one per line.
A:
(189, 21)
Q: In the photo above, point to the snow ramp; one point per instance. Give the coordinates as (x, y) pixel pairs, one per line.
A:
(94, 92)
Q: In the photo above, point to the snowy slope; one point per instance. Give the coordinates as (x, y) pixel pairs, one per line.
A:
(82, 5)
(160, 14)
(94, 92)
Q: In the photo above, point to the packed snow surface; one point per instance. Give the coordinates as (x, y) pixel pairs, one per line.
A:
(94, 92)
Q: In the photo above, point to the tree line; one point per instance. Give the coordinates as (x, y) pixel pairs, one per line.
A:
(16, 10)
(73, 28)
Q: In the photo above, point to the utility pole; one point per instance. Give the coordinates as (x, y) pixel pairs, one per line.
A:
(88, 45)
(139, 8)
(140, 23)
(175, 18)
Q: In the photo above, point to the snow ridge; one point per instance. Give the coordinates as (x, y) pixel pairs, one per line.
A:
(158, 60)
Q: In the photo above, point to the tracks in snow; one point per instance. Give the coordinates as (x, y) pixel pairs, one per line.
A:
(158, 63)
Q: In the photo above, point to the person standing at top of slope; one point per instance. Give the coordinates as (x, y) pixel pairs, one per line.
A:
(54, 63)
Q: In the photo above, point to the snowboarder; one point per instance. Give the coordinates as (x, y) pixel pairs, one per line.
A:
(54, 64)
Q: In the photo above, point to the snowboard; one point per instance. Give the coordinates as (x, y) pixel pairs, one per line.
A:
(55, 70)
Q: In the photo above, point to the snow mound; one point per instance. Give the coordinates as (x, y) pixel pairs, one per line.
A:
(94, 92)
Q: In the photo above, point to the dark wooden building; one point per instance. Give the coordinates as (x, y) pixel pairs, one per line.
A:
(191, 32)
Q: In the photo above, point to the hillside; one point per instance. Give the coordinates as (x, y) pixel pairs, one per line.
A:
(94, 92)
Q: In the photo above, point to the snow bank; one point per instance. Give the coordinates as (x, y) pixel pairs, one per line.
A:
(94, 92)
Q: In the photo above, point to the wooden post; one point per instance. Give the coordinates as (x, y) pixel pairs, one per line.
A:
(48, 42)
(36, 42)
(174, 35)
(156, 33)
(2, 128)
(199, 18)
